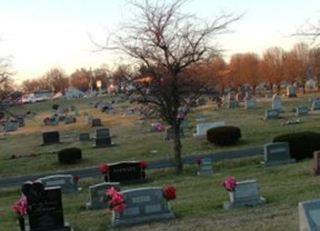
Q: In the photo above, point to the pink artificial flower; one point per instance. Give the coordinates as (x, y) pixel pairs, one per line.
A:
(104, 168)
(230, 184)
(21, 206)
(116, 202)
(143, 164)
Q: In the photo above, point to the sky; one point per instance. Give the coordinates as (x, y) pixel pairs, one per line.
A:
(42, 34)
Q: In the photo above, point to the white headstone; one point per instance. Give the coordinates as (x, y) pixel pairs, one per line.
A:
(276, 102)
(202, 128)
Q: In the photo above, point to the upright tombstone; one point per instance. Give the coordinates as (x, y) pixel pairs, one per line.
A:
(143, 205)
(276, 103)
(291, 91)
(11, 126)
(45, 211)
(98, 198)
(302, 111)
(250, 104)
(20, 120)
(246, 193)
(96, 122)
(84, 137)
(309, 215)
(51, 138)
(315, 105)
(66, 181)
(231, 101)
(277, 153)
(102, 138)
(205, 167)
(126, 171)
(202, 128)
(271, 114)
(70, 119)
(316, 163)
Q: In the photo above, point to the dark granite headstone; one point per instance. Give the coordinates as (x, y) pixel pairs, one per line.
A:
(143, 205)
(130, 171)
(51, 137)
(277, 153)
(45, 210)
(96, 122)
(271, 114)
(102, 138)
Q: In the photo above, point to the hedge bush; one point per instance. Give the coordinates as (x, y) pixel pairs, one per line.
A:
(301, 144)
(69, 155)
(224, 136)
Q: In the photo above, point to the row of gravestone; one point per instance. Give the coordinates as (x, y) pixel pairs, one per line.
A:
(14, 124)
(101, 137)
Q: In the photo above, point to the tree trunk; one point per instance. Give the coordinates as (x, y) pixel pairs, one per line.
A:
(177, 147)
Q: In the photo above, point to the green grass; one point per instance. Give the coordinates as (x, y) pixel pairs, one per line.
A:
(199, 199)
(133, 138)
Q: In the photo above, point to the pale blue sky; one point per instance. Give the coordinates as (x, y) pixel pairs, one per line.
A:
(41, 34)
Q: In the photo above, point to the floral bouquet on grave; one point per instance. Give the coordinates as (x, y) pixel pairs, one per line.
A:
(116, 200)
(199, 161)
(20, 207)
(230, 184)
(169, 193)
(143, 166)
(104, 169)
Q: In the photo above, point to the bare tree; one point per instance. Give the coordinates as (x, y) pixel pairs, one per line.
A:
(169, 45)
(5, 77)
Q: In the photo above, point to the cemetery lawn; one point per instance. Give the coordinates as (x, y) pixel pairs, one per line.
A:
(198, 205)
(132, 137)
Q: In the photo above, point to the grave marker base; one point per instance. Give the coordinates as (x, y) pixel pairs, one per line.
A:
(138, 220)
(250, 203)
(275, 163)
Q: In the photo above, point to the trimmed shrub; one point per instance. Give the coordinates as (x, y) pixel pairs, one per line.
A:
(69, 155)
(302, 144)
(224, 136)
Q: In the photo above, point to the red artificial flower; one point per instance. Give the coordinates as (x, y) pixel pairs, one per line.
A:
(76, 178)
(199, 160)
(230, 184)
(104, 168)
(21, 206)
(169, 193)
(116, 201)
(143, 164)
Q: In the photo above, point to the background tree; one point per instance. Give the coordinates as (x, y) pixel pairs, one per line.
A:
(169, 44)
(315, 63)
(57, 80)
(5, 78)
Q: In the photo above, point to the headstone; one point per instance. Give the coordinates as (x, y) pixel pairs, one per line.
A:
(11, 126)
(316, 163)
(89, 119)
(250, 104)
(246, 193)
(45, 211)
(98, 197)
(102, 138)
(271, 114)
(84, 137)
(277, 153)
(51, 137)
(70, 119)
(202, 128)
(66, 181)
(291, 91)
(96, 122)
(20, 120)
(143, 205)
(302, 111)
(309, 215)
(315, 105)
(276, 103)
(126, 171)
(205, 167)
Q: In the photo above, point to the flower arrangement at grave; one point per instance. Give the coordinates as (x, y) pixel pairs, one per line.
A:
(143, 166)
(20, 207)
(230, 184)
(116, 200)
(169, 193)
(76, 178)
(104, 169)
